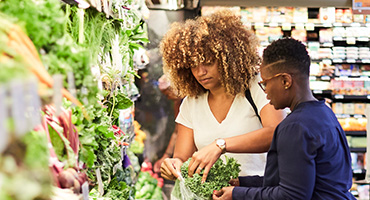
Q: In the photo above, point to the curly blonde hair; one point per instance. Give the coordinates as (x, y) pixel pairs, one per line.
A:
(220, 37)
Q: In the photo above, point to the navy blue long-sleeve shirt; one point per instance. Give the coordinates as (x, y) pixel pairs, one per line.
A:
(308, 158)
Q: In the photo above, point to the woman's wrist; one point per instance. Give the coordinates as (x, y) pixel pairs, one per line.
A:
(168, 155)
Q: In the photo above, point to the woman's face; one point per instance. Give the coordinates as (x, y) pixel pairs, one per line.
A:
(207, 75)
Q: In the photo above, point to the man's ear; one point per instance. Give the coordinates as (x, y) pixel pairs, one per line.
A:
(287, 81)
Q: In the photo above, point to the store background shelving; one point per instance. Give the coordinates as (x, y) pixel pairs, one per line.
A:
(338, 43)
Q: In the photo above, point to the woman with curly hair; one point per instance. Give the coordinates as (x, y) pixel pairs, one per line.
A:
(212, 61)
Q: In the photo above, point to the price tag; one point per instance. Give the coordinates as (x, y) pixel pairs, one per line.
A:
(71, 84)
(299, 26)
(273, 24)
(18, 107)
(337, 61)
(3, 118)
(357, 116)
(310, 26)
(351, 40)
(357, 171)
(328, 44)
(356, 24)
(339, 96)
(365, 60)
(286, 26)
(85, 191)
(351, 61)
(57, 96)
(258, 25)
(368, 96)
(100, 181)
(317, 91)
(325, 78)
(35, 103)
(327, 61)
(363, 39)
(338, 24)
(337, 38)
(328, 24)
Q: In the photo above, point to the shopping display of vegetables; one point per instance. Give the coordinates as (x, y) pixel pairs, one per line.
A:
(91, 46)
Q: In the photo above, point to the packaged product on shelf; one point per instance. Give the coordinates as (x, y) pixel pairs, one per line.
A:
(360, 108)
(327, 14)
(349, 108)
(326, 36)
(259, 14)
(338, 108)
(338, 15)
(313, 49)
(358, 160)
(300, 15)
(299, 35)
(347, 16)
(358, 18)
(246, 15)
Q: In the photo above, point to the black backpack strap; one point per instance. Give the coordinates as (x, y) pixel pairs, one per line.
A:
(249, 98)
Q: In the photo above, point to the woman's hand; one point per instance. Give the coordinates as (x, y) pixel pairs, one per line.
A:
(225, 193)
(170, 168)
(204, 159)
(158, 163)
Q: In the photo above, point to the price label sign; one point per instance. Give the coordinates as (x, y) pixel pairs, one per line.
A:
(299, 26)
(351, 40)
(310, 26)
(258, 25)
(286, 26)
(351, 61)
(273, 24)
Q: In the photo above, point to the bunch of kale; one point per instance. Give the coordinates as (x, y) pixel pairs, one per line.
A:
(218, 177)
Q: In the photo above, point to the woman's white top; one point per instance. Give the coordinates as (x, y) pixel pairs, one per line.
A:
(196, 114)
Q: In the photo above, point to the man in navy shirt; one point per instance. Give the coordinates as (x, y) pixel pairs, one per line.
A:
(309, 156)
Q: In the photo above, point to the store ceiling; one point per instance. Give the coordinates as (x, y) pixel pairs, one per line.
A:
(293, 3)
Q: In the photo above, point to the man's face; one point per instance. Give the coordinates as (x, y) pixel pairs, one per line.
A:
(273, 87)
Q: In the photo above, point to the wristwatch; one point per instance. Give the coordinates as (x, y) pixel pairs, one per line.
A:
(221, 143)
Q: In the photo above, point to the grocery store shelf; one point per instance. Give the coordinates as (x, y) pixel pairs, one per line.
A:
(328, 92)
(356, 149)
(351, 61)
(351, 97)
(296, 3)
(356, 133)
(359, 171)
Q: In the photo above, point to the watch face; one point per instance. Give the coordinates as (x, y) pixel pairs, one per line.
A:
(221, 142)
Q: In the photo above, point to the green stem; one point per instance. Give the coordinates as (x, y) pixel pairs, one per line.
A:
(114, 102)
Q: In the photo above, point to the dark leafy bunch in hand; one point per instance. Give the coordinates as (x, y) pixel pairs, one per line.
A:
(218, 177)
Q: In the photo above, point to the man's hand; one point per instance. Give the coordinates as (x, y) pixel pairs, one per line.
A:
(225, 193)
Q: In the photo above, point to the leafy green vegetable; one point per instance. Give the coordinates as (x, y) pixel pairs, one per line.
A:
(219, 176)
(146, 187)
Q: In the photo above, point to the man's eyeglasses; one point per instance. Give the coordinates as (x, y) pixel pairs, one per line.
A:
(262, 83)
